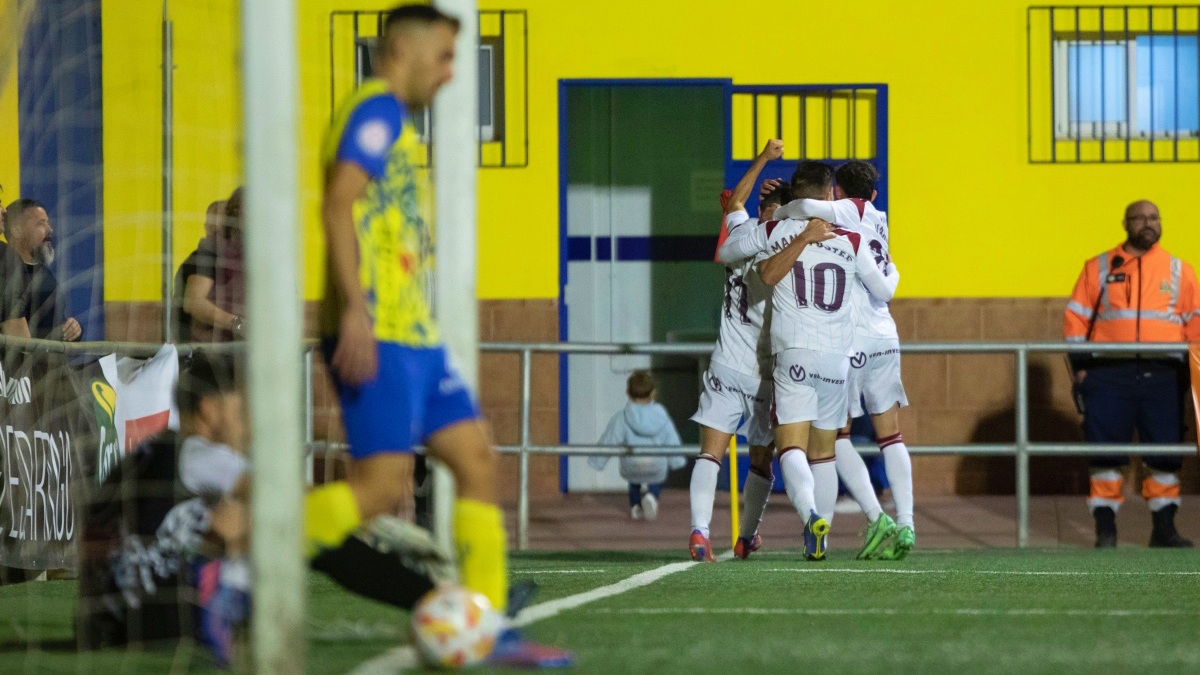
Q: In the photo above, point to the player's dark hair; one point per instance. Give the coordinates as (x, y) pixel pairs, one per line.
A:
(857, 178)
(206, 376)
(233, 214)
(17, 208)
(811, 180)
(781, 195)
(424, 15)
(640, 385)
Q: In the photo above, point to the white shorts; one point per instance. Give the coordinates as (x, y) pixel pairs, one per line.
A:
(810, 386)
(734, 402)
(875, 376)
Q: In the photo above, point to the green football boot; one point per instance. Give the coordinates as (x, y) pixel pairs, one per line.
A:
(878, 532)
(905, 541)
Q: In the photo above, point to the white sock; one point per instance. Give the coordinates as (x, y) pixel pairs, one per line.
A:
(755, 493)
(899, 472)
(853, 471)
(825, 486)
(798, 480)
(703, 491)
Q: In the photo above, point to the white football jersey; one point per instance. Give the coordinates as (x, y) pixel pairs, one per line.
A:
(741, 342)
(811, 307)
(872, 318)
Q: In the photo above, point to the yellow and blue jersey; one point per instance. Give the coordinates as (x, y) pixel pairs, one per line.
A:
(373, 130)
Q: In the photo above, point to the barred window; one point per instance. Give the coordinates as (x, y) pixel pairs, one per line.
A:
(503, 71)
(1114, 84)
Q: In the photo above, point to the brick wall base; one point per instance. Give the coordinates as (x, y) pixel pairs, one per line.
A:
(953, 398)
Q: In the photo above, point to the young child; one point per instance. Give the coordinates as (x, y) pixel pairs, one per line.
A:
(642, 423)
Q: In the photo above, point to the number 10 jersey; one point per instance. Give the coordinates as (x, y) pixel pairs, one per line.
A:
(811, 306)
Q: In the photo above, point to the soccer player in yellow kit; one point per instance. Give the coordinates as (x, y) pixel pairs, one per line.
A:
(393, 376)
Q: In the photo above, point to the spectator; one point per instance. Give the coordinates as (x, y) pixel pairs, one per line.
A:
(641, 423)
(30, 292)
(210, 289)
(1136, 292)
(214, 218)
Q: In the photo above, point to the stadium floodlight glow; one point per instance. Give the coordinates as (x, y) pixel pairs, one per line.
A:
(270, 92)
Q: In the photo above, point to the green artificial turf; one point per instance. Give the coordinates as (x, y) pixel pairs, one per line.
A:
(1046, 611)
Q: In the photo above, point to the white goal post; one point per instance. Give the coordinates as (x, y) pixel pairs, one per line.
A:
(270, 83)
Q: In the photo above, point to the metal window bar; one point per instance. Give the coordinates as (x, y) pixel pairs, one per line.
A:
(1150, 44)
(1053, 75)
(1079, 87)
(1126, 131)
(803, 94)
(1175, 80)
(355, 15)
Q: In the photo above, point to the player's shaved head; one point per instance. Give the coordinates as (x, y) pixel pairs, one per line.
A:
(408, 18)
(812, 180)
(417, 52)
(857, 179)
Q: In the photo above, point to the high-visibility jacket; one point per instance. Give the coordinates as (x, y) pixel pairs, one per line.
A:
(1120, 298)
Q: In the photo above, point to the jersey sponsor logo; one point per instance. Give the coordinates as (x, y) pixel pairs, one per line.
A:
(885, 352)
(821, 378)
(714, 382)
(797, 373)
(374, 138)
(858, 360)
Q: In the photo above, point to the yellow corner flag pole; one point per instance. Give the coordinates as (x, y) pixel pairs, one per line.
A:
(735, 520)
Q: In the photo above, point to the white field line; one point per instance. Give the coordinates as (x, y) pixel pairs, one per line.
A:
(397, 659)
(517, 572)
(546, 610)
(883, 611)
(798, 554)
(1018, 573)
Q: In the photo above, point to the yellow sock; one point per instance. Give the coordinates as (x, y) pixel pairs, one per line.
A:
(330, 516)
(482, 555)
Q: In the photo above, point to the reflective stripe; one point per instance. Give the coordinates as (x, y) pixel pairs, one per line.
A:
(1176, 273)
(1159, 315)
(1076, 338)
(1103, 280)
(1078, 308)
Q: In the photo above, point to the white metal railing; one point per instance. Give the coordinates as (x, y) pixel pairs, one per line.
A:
(1021, 449)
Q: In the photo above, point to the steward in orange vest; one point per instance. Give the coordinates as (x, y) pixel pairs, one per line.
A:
(1136, 292)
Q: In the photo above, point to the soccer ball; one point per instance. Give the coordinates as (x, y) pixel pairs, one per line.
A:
(454, 627)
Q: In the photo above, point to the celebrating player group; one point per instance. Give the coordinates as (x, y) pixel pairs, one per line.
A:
(806, 343)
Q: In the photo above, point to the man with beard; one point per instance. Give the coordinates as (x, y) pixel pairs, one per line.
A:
(30, 292)
(1136, 292)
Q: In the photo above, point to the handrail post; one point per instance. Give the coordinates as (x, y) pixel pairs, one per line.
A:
(1022, 455)
(523, 481)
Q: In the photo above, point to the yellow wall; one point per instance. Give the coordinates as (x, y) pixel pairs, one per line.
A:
(207, 140)
(10, 169)
(970, 215)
